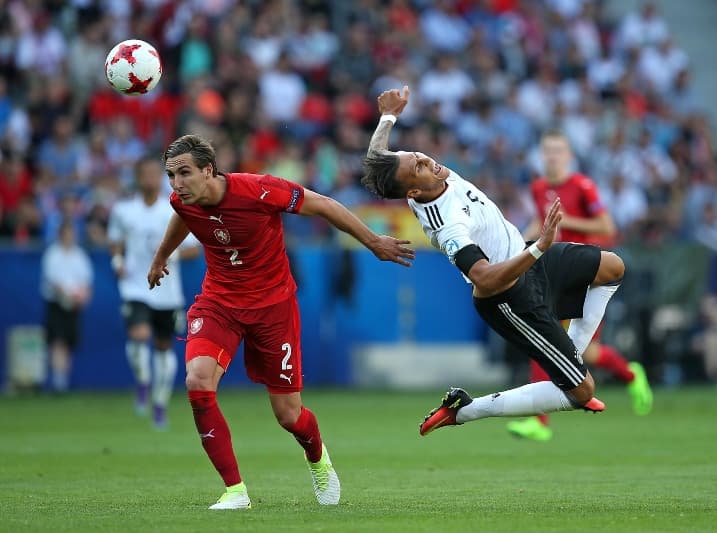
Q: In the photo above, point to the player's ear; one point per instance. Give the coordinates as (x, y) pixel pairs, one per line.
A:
(413, 193)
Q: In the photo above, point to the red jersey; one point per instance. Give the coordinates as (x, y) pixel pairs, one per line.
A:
(579, 197)
(243, 239)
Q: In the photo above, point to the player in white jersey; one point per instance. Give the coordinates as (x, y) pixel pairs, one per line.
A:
(135, 230)
(521, 290)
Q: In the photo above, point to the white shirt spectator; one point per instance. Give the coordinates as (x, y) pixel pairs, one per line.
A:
(659, 66)
(314, 48)
(70, 269)
(282, 92)
(537, 101)
(43, 50)
(581, 131)
(642, 29)
(445, 31)
(586, 36)
(448, 88)
(604, 72)
(627, 202)
(568, 9)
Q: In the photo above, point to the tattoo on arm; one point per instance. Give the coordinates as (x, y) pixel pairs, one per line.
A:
(379, 139)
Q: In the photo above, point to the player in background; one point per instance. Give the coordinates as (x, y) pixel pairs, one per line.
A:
(135, 230)
(585, 220)
(248, 295)
(66, 286)
(520, 291)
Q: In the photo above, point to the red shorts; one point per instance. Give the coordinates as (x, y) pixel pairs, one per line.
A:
(271, 335)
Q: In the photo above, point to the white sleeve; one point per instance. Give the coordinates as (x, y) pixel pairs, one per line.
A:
(115, 228)
(453, 238)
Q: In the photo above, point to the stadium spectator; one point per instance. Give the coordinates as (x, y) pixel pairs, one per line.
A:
(67, 277)
(539, 64)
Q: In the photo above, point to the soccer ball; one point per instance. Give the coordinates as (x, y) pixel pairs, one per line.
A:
(133, 67)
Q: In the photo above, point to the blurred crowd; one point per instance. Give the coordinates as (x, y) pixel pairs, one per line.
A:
(288, 87)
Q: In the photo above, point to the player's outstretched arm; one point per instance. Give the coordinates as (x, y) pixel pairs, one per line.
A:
(494, 278)
(176, 232)
(384, 247)
(389, 103)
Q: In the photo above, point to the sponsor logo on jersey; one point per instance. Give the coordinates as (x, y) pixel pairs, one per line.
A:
(216, 218)
(264, 192)
(222, 235)
(195, 325)
(467, 210)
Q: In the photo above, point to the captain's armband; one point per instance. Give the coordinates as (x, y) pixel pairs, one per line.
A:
(468, 256)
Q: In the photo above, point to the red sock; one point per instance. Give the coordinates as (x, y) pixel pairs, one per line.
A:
(538, 374)
(215, 435)
(613, 362)
(306, 433)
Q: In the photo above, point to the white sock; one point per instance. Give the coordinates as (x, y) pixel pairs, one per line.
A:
(138, 357)
(581, 330)
(532, 399)
(165, 370)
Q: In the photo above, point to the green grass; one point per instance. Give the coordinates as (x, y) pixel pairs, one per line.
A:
(85, 462)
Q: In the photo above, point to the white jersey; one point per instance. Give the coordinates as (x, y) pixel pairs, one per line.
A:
(463, 215)
(140, 228)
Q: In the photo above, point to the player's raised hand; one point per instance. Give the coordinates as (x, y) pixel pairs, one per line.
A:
(392, 102)
(157, 270)
(388, 248)
(550, 226)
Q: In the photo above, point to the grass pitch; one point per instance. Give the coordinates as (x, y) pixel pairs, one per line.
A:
(86, 463)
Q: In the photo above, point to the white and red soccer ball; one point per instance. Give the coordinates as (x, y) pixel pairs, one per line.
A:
(133, 67)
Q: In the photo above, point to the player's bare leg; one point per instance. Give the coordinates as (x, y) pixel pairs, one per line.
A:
(203, 375)
(301, 422)
(165, 370)
(458, 407)
(60, 366)
(138, 355)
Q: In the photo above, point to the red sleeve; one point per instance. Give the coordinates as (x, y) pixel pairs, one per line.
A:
(591, 196)
(283, 195)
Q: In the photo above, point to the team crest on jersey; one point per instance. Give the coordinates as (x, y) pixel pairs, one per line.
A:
(195, 325)
(222, 235)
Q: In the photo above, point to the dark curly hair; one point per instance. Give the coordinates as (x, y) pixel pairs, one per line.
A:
(380, 175)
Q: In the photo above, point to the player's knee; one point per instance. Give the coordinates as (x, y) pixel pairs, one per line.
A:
(197, 381)
(612, 269)
(287, 417)
(139, 332)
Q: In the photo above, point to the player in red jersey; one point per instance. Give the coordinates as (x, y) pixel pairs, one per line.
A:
(585, 220)
(248, 294)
